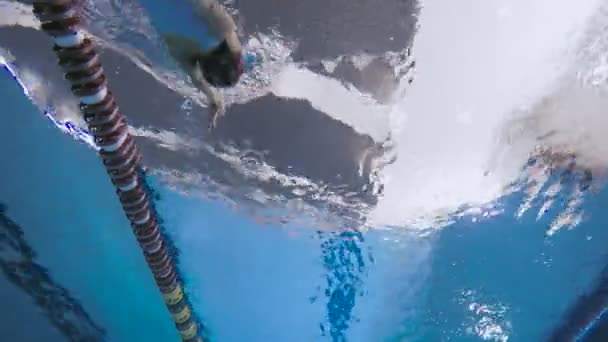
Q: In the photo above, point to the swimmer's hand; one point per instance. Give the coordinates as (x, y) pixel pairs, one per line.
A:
(216, 109)
(216, 105)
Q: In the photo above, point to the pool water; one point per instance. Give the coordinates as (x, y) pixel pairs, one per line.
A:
(497, 279)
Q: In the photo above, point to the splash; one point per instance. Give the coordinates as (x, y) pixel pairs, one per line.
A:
(479, 64)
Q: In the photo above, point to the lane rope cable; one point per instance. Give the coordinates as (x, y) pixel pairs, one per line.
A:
(118, 152)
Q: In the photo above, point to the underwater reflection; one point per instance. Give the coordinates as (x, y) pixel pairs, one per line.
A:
(64, 312)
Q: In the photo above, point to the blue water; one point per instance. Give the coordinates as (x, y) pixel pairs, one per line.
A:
(256, 282)
(58, 192)
(509, 262)
(274, 287)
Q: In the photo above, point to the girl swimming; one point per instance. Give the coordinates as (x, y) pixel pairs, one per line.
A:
(219, 66)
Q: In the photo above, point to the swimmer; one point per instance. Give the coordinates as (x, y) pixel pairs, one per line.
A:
(217, 67)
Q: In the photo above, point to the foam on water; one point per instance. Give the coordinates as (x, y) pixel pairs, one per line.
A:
(330, 96)
(478, 64)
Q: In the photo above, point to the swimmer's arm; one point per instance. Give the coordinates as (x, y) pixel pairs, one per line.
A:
(221, 21)
(216, 106)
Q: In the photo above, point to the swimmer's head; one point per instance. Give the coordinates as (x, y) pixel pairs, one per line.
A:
(222, 67)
